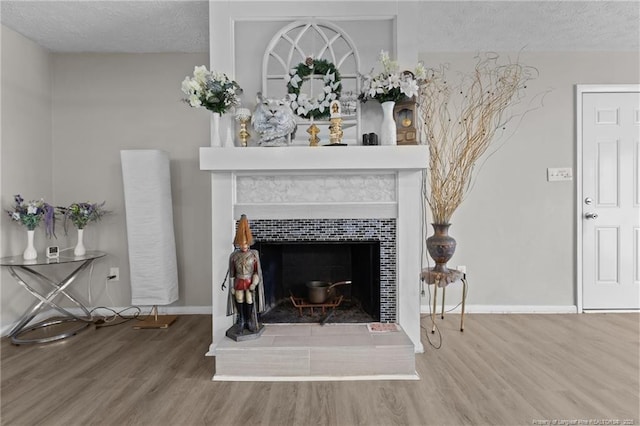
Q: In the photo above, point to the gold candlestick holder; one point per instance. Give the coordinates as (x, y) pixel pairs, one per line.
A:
(335, 131)
(243, 115)
(313, 131)
(335, 128)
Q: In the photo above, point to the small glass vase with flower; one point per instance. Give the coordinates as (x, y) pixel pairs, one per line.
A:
(30, 214)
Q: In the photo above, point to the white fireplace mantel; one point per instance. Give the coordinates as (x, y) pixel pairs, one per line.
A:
(303, 158)
(319, 182)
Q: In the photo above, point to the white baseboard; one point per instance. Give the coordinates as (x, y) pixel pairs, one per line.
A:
(504, 309)
(126, 311)
(424, 309)
(145, 310)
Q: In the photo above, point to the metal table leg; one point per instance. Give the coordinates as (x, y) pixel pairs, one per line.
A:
(23, 327)
(464, 299)
(433, 311)
(434, 278)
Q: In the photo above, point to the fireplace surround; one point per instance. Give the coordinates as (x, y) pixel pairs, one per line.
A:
(323, 188)
(360, 250)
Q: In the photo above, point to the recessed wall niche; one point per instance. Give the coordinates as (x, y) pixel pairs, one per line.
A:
(251, 38)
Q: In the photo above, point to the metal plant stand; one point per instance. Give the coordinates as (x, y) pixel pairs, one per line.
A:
(443, 279)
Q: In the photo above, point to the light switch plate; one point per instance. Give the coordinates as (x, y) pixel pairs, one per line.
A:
(559, 173)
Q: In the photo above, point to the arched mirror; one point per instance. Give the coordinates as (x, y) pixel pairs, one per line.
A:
(314, 62)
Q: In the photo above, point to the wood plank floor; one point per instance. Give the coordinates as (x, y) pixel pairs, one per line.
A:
(503, 370)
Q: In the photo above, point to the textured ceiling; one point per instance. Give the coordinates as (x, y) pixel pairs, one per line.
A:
(182, 25)
(111, 26)
(536, 26)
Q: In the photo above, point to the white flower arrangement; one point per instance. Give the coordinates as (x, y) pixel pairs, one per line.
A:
(391, 84)
(211, 90)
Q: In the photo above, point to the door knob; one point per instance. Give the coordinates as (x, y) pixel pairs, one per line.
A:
(591, 215)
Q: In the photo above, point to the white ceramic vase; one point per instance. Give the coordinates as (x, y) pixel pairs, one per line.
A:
(30, 253)
(228, 140)
(80, 250)
(215, 130)
(388, 135)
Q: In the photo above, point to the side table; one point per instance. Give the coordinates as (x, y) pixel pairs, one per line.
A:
(20, 269)
(443, 279)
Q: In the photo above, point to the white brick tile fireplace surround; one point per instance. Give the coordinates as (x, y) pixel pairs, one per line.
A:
(293, 183)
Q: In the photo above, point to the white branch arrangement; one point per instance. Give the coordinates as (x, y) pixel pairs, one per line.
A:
(460, 130)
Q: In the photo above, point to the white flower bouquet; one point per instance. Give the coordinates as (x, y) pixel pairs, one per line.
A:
(211, 90)
(391, 84)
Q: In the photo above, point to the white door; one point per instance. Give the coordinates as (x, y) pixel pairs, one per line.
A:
(610, 201)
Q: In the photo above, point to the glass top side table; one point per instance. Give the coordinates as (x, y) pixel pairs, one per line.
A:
(20, 269)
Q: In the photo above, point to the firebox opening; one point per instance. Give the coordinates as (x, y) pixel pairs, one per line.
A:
(288, 265)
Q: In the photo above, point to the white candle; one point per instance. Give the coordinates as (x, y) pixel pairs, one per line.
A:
(335, 109)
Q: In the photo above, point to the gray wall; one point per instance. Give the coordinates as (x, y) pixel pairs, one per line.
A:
(104, 103)
(67, 116)
(26, 152)
(516, 231)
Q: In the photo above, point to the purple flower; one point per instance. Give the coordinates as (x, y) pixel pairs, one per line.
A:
(29, 214)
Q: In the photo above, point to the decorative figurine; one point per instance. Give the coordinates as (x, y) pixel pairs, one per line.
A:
(243, 115)
(246, 295)
(313, 131)
(335, 128)
(274, 120)
(404, 113)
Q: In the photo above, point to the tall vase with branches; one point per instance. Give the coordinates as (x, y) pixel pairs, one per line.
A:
(462, 124)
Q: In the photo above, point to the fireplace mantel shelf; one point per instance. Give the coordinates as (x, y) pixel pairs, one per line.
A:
(304, 158)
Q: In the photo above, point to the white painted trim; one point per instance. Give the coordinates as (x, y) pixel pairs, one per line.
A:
(582, 89)
(225, 378)
(502, 309)
(108, 312)
(424, 310)
(162, 310)
(332, 18)
(318, 210)
(578, 187)
(607, 88)
(304, 158)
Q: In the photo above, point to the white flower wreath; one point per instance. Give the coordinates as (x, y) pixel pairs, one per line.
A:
(318, 106)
